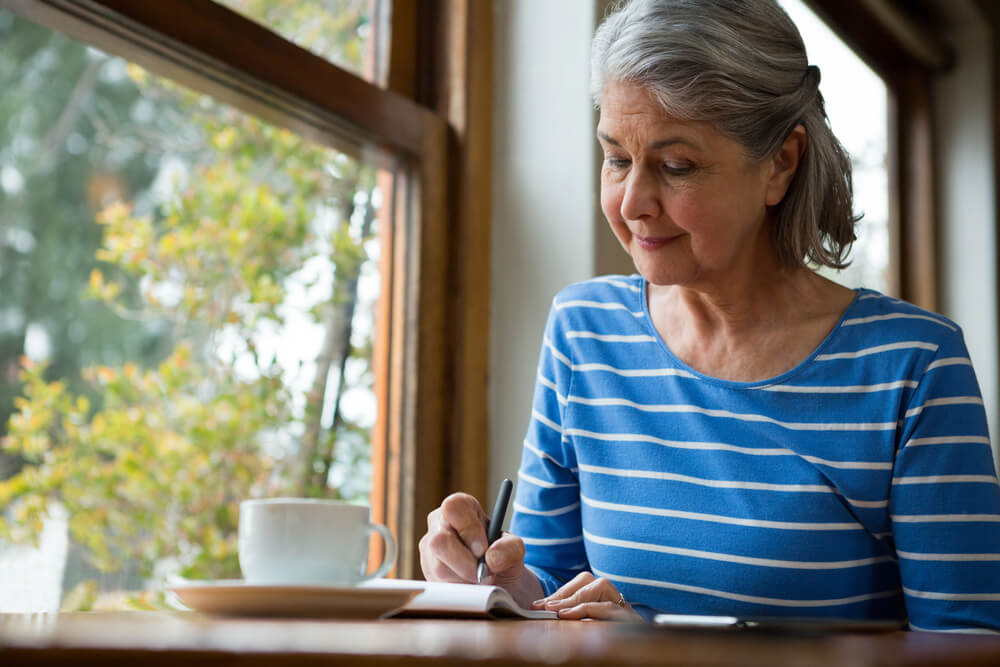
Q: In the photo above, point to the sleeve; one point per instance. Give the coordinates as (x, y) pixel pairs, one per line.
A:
(945, 500)
(547, 502)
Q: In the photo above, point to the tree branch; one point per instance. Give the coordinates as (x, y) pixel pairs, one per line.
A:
(333, 331)
(349, 306)
(57, 134)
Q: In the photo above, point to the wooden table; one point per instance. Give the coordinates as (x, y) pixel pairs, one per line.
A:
(188, 639)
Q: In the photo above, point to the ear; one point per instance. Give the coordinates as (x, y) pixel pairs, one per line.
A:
(784, 164)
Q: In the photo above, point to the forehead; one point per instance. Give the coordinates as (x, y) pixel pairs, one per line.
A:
(631, 110)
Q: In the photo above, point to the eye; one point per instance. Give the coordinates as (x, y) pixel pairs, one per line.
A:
(616, 162)
(678, 169)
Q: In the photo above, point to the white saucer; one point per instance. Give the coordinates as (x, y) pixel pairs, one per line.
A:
(235, 597)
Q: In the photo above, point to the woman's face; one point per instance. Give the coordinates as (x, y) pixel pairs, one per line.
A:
(685, 201)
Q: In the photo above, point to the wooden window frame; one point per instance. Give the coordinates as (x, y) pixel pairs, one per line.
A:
(442, 57)
(906, 56)
(435, 118)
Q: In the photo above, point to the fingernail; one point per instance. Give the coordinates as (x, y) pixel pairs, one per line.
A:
(538, 602)
(478, 549)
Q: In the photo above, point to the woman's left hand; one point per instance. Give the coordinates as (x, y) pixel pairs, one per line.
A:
(587, 596)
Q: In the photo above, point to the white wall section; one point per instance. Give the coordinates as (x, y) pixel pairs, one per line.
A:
(543, 197)
(967, 202)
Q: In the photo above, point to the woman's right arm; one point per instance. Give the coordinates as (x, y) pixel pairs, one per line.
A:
(546, 506)
(547, 503)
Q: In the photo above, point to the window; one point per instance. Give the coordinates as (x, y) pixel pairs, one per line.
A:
(856, 102)
(253, 272)
(906, 52)
(349, 33)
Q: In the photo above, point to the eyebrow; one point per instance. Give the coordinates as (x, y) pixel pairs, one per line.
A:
(659, 143)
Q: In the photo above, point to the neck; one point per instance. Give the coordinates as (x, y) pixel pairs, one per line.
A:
(758, 292)
(748, 330)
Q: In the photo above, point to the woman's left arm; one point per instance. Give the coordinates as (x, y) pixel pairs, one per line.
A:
(945, 500)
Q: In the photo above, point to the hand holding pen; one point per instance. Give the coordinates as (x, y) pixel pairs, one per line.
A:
(459, 535)
(495, 526)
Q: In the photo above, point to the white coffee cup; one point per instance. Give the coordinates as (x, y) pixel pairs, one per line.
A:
(308, 541)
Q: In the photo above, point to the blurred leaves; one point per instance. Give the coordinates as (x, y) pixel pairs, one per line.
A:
(158, 471)
(328, 28)
(151, 455)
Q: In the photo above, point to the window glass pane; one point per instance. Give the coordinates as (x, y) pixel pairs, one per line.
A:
(348, 33)
(187, 321)
(856, 100)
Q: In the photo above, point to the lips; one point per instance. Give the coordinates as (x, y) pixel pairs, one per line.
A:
(653, 242)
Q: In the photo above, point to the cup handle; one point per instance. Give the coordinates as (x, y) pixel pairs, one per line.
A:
(389, 558)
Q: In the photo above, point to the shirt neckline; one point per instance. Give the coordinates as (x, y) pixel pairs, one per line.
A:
(736, 384)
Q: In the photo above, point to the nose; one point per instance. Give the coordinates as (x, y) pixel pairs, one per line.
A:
(640, 198)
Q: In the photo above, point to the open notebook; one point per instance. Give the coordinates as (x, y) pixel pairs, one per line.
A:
(443, 600)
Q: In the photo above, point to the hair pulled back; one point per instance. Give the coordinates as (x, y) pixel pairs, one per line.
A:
(740, 65)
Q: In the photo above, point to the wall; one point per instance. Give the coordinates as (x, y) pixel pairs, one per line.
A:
(967, 201)
(544, 195)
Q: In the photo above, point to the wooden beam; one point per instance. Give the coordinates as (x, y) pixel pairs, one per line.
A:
(452, 39)
(427, 404)
(884, 36)
(468, 105)
(917, 268)
(403, 53)
(911, 36)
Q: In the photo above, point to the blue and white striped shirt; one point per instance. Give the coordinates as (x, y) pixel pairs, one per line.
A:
(859, 484)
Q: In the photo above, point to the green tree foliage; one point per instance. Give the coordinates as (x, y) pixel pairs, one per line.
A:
(171, 405)
(55, 171)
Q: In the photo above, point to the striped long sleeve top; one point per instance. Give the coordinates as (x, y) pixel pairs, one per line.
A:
(859, 484)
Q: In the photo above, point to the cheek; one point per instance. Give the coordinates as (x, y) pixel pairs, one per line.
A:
(693, 214)
(611, 201)
(719, 224)
(611, 205)
(706, 212)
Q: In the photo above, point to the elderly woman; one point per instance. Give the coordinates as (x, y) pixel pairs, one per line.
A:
(729, 432)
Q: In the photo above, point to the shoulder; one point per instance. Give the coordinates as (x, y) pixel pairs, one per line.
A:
(885, 316)
(602, 289)
(873, 302)
(604, 305)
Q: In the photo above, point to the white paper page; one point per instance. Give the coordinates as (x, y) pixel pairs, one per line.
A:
(457, 598)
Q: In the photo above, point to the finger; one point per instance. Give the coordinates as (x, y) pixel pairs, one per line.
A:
(604, 611)
(466, 516)
(444, 545)
(505, 553)
(441, 572)
(432, 566)
(598, 590)
(434, 520)
(567, 589)
(435, 570)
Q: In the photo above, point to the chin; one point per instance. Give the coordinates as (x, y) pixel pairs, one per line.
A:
(661, 278)
(657, 274)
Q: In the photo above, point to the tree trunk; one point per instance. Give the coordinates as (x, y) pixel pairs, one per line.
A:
(349, 306)
(336, 348)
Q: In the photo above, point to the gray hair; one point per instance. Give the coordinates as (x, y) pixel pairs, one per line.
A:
(741, 66)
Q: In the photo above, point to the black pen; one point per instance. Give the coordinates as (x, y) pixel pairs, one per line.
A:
(496, 524)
